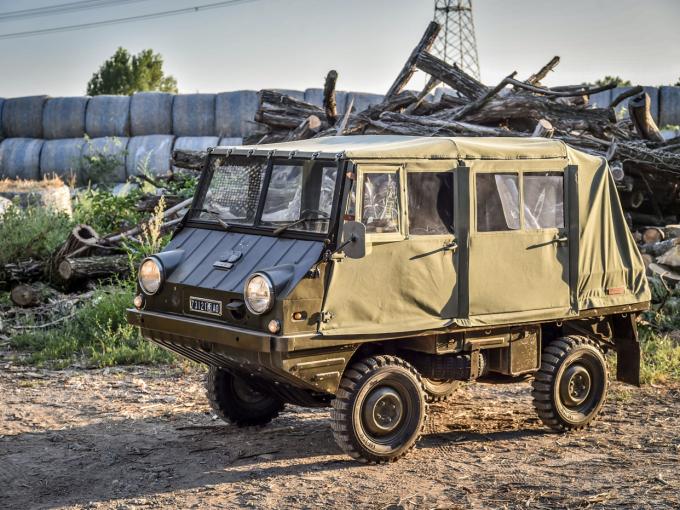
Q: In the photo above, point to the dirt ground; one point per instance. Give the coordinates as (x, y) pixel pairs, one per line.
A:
(145, 438)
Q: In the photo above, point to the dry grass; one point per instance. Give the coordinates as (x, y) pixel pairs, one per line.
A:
(14, 185)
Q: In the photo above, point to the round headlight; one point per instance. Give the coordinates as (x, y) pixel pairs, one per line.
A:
(150, 276)
(259, 294)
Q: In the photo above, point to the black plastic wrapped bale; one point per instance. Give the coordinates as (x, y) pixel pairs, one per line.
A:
(195, 143)
(64, 117)
(22, 117)
(63, 159)
(149, 154)
(111, 149)
(151, 113)
(234, 113)
(193, 115)
(108, 116)
(2, 102)
(20, 158)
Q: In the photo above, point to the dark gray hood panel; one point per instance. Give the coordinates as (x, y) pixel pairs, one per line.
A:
(204, 247)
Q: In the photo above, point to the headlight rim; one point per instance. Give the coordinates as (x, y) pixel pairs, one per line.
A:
(272, 292)
(161, 270)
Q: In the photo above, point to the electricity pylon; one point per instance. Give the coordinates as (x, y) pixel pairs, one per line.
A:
(456, 42)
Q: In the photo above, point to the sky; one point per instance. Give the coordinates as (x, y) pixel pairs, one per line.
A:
(293, 43)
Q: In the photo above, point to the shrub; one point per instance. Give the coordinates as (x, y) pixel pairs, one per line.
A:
(34, 232)
(106, 212)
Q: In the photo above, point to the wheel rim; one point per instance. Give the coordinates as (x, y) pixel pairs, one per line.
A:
(383, 411)
(580, 388)
(245, 392)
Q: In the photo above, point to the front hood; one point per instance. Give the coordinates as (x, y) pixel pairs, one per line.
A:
(203, 247)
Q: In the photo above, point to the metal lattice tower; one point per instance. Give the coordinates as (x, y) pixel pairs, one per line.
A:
(456, 42)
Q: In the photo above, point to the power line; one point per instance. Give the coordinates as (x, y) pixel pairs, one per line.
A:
(141, 17)
(61, 8)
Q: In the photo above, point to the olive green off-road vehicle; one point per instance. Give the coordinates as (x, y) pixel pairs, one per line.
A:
(372, 273)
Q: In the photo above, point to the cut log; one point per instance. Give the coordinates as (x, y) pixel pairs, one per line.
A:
(641, 116)
(309, 127)
(191, 160)
(660, 247)
(543, 129)
(27, 295)
(409, 68)
(429, 87)
(452, 75)
(664, 273)
(80, 242)
(652, 235)
(329, 104)
(535, 79)
(484, 99)
(625, 95)
(23, 271)
(671, 257)
(92, 268)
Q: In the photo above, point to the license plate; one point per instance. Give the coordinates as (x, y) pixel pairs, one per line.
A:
(205, 306)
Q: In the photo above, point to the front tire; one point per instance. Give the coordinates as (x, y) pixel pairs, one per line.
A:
(379, 411)
(570, 388)
(439, 390)
(237, 402)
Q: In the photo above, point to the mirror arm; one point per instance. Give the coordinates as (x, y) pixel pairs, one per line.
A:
(329, 254)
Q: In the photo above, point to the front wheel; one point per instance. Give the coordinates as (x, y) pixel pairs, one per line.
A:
(235, 401)
(379, 411)
(570, 388)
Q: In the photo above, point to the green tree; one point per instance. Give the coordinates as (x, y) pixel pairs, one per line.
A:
(616, 80)
(125, 74)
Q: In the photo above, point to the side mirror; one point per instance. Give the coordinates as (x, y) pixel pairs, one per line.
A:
(354, 239)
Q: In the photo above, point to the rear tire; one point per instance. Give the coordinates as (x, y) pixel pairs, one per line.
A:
(235, 401)
(439, 390)
(379, 411)
(570, 388)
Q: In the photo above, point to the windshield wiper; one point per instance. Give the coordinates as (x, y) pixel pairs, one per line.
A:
(222, 223)
(304, 218)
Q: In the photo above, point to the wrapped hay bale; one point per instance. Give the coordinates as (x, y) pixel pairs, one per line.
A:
(362, 100)
(195, 143)
(230, 141)
(2, 102)
(50, 193)
(150, 154)
(151, 113)
(108, 116)
(193, 115)
(20, 158)
(61, 158)
(234, 113)
(22, 117)
(64, 117)
(103, 159)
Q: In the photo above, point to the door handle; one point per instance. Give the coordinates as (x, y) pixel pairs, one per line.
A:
(560, 239)
(452, 246)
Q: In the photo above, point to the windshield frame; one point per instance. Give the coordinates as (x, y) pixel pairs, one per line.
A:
(258, 227)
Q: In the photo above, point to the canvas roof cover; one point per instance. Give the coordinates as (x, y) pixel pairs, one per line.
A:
(610, 268)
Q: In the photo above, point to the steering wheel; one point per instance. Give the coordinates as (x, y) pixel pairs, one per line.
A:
(318, 212)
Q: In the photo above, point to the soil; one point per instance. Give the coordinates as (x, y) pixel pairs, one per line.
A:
(145, 438)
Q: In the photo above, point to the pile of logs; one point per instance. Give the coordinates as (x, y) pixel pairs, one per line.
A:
(84, 257)
(660, 248)
(646, 168)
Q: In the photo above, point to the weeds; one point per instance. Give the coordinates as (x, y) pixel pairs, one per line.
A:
(97, 335)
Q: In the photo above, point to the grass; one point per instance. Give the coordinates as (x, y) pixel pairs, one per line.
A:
(660, 357)
(97, 335)
(14, 185)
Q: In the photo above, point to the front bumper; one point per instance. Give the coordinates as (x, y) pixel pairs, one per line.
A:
(299, 361)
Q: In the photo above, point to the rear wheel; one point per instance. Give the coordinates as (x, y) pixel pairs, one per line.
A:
(379, 411)
(236, 401)
(570, 388)
(438, 390)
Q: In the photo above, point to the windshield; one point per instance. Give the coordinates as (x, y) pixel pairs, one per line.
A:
(300, 193)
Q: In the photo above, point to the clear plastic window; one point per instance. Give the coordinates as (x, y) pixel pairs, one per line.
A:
(430, 203)
(380, 208)
(284, 195)
(543, 200)
(497, 202)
